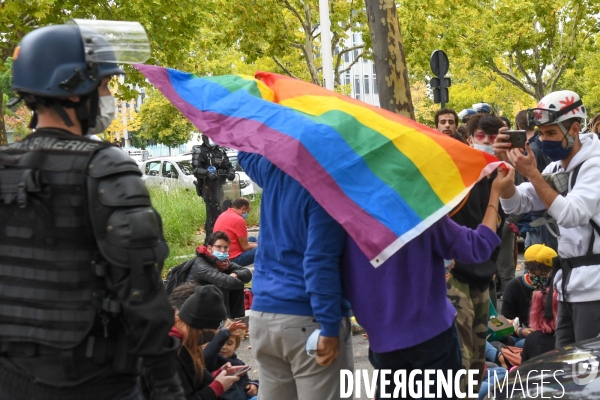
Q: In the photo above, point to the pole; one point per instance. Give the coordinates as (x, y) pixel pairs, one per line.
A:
(326, 56)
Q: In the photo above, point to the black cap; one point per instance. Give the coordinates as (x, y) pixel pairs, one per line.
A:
(204, 309)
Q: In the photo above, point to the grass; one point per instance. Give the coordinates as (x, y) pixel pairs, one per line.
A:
(183, 215)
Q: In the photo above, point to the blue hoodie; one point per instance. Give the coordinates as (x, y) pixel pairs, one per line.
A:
(297, 265)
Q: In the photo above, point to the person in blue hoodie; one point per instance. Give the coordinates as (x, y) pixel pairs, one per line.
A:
(297, 290)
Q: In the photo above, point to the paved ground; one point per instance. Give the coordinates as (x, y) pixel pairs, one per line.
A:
(361, 345)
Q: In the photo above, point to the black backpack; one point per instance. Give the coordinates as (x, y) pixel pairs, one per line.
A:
(177, 275)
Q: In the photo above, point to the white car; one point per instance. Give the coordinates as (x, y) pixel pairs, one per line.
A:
(176, 171)
(248, 186)
(168, 171)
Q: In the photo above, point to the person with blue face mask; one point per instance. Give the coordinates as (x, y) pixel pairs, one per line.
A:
(576, 208)
(213, 266)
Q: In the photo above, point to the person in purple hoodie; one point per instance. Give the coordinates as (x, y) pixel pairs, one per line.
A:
(402, 304)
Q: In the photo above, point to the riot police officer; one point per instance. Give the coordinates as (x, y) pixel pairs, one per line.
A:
(82, 307)
(211, 168)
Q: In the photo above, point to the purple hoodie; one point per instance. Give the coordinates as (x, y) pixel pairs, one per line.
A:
(403, 303)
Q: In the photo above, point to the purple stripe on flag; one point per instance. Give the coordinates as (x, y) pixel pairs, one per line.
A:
(255, 137)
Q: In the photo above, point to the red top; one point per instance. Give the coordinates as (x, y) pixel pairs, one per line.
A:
(234, 226)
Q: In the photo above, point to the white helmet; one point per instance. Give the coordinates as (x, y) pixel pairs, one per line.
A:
(557, 107)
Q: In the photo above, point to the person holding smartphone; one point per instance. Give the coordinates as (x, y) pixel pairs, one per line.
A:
(558, 117)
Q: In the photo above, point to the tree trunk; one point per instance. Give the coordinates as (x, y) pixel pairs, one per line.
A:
(3, 137)
(388, 54)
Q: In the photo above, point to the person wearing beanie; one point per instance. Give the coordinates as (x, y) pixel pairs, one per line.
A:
(517, 296)
(202, 310)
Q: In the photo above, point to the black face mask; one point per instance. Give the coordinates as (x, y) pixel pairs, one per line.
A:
(539, 282)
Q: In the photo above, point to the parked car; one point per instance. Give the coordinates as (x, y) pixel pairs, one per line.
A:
(176, 171)
(169, 171)
(249, 187)
(567, 373)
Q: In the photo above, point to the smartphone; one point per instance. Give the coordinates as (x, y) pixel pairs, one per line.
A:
(517, 139)
(243, 370)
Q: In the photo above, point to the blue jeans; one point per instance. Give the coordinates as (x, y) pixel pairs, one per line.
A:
(247, 257)
(500, 372)
(490, 352)
(441, 352)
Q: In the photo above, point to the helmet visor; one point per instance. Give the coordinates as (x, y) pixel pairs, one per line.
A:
(540, 116)
(121, 42)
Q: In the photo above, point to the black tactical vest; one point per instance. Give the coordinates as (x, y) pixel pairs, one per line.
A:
(46, 241)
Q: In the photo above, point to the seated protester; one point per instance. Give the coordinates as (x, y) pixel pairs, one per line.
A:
(517, 295)
(244, 389)
(543, 338)
(212, 266)
(213, 359)
(576, 207)
(181, 293)
(203, 310)
(233, 222)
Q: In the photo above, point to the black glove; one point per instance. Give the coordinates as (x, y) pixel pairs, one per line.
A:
(231, 176)
(167, 389)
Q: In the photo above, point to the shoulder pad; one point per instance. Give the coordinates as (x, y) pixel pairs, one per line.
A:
(110, 161)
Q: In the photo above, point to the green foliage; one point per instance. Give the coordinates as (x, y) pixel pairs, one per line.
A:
(519, 42)
(5, 79)
(162, 122)
(183, 215)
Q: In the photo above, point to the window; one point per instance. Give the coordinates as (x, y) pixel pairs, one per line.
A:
(347, 56)
(357, 97)
(374, 84)
(235, 164)
(169, 171)
(186, 167)
(355, 54)
(366, 84)
(357, 85)
(152, 168)
(374, 72)
(347, 80)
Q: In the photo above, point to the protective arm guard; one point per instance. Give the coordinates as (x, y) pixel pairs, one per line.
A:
(130, 240)
(226, 164)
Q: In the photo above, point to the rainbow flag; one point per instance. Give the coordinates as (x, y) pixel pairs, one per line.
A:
(383, 177)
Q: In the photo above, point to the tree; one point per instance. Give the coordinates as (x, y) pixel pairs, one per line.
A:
(390, 61)
(170, 26)
(19, 121)
(288, 31)
(125, 120)
(162, 122)
(529, 45)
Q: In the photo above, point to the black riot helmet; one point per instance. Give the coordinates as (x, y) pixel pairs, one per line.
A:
(55, 62)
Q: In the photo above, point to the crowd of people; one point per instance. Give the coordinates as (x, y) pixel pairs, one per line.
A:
(84, 312)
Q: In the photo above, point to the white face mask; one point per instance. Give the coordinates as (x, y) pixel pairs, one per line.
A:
(211, 143)
(484, 148)
(106, 115)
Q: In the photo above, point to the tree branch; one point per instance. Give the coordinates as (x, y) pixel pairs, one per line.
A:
(348, 49)
(511, 79)
(352, 63)
(287, 71)
(520, 66)
(296, 13)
